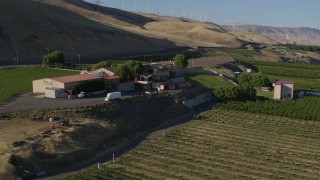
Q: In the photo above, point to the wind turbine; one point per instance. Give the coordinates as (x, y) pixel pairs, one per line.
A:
(98, 5)
(172, 12)
(134, 6)
(148, 9)
(122, 5)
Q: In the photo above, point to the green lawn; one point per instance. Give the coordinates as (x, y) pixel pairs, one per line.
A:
(13, 81)
(265, 94)
(208, 81)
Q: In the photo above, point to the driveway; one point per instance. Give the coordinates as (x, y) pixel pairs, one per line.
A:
(29, 101)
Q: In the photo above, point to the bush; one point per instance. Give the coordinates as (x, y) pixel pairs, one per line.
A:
(236, 93)
(55, 58)
(257, 80)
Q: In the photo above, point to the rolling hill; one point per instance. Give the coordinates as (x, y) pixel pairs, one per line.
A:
(300, 35)
(32, 27)
(79, 28)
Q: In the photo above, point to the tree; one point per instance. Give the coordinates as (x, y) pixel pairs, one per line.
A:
(245, 79)
(236, 93)
(180, 61)
(56, 57)
(261, 80)
(129, 70)
(122, 70)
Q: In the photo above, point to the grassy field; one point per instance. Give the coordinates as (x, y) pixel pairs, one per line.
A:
(13, 81)
(223, 145)
(208, 81)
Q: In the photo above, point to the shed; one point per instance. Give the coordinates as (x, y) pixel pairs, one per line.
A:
(283, 90)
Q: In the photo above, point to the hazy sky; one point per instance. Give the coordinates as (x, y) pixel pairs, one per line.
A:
(293, 13)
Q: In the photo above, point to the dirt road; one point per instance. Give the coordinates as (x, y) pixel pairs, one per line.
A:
(160, 131)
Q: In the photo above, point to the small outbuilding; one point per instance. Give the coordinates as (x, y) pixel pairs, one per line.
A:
(283, 90)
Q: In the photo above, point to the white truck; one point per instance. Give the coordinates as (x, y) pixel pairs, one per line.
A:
(113, 96)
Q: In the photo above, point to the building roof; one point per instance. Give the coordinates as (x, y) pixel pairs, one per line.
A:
(283, 82)
(111, 69)
(112, 77)
(75, 78)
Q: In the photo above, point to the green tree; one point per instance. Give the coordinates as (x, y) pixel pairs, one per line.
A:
(245, 79)
(56, 57)
(129, 70)
(122, 70)
(180, 61)
(261, 80)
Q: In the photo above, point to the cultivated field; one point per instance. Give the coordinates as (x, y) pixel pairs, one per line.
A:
(223, 145)
(13, 81)
(306, 77)
(209, 81)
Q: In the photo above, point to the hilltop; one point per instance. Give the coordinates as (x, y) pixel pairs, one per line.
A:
(77, 27)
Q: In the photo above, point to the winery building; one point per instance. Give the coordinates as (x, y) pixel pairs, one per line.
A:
(66, 82)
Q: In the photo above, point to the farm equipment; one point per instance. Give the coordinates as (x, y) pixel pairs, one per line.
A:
(64, 122)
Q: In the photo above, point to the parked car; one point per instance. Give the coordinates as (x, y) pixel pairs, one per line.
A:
(82, 95)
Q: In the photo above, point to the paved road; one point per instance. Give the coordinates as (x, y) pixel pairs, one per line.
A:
(28, 101)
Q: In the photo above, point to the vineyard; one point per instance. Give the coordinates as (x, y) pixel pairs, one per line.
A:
(291, 72)
(13, 81)
(223, 144)
(277, 64)
(307, 108)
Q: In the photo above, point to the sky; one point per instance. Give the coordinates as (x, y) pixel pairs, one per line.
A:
(279, 13)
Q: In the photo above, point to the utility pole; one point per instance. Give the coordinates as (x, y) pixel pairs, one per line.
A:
(73, 55)
(48, 51)
(17, 56)
(98, 6)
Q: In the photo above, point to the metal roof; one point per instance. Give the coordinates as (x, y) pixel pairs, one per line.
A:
(75, 78)
(283, 82)
(112, 77)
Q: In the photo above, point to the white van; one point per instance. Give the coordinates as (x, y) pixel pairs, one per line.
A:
(113, 96)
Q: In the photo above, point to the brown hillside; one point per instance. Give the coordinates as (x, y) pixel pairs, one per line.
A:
(99, 32)
(31, 27)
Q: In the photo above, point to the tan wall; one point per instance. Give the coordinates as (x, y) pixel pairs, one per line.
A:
(287, 89)
(40, 86)
(282, 91)
(277, 92)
